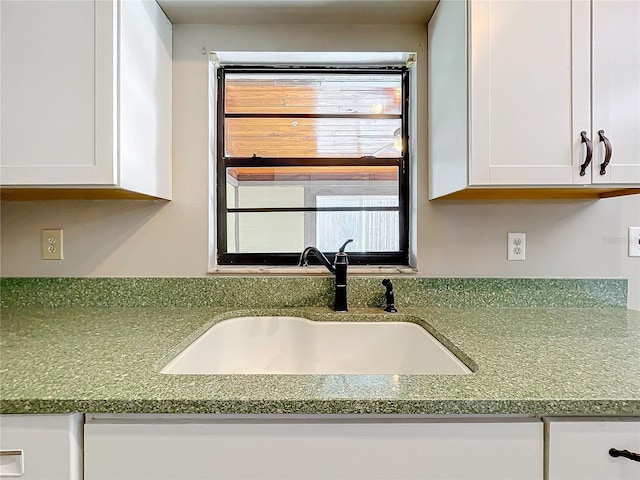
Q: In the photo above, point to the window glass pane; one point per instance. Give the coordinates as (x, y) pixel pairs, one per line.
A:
(266, 232)
(291, 232)
(296, 187)
(323, 93)
(313, 137)
(372, 231)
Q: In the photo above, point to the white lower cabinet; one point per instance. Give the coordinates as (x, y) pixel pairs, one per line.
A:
(314, 447)
(578, 449)
(41, 447)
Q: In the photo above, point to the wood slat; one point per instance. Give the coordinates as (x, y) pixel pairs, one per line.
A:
(263, 96)
(310, 174)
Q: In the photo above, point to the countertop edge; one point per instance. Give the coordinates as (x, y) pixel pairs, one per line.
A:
(338, 406)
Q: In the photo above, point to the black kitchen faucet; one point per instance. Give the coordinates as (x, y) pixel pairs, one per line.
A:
(339, 269)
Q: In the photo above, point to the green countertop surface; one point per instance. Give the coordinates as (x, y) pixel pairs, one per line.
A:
(526, 361)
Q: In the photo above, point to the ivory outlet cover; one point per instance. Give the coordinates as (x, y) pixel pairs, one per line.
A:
(52, 244)
(634, 241)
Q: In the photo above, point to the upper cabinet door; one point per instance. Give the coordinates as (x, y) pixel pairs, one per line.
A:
(529, 91)
(86, 99)
(616, 90)
(48, 92)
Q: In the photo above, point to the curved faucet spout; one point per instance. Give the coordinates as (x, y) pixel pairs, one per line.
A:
(339, 269)
(319, 255)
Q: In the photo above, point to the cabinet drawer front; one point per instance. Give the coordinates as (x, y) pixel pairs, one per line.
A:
(317, 450)
(41, 447)
(580, 450)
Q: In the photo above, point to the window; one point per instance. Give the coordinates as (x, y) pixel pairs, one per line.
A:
(311, 156)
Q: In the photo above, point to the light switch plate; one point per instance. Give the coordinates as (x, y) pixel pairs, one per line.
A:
(634, 241)
(52, 244)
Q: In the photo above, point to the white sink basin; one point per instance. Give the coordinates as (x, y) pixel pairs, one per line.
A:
(293, 345)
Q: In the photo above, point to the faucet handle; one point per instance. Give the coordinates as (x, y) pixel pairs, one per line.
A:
(389, 296)
(344, 245)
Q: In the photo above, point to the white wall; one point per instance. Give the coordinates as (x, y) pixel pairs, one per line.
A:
(129, 238)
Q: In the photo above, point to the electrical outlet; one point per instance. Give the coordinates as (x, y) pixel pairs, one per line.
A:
(634, 241)
(52, 244)
(516, 246)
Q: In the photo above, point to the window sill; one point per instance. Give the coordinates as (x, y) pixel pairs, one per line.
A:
(314, 270)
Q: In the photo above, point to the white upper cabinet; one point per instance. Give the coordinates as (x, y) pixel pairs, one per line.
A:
(48, 90)
(525, 100)
(86, 97)
(510, 95)
(616, 90)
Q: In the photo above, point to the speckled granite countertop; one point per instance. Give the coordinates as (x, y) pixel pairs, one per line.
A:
(527, 360)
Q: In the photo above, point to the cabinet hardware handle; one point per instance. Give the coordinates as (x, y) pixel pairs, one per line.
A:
(10, 452)
(587, 160)
(607, 152)
(614, 452)
(12, 463)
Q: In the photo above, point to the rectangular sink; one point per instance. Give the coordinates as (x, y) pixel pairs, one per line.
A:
(294, 345)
